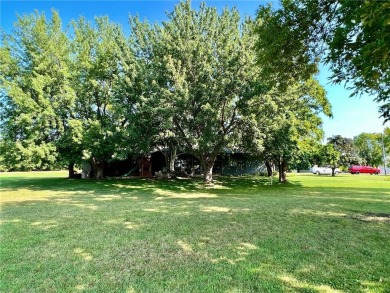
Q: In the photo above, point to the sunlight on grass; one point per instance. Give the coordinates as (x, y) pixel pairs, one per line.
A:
(171, 194)
(22, 195)
(185, 246)
(302, 285)
(363, 199)
(10, 221)
(320, 234)
(45, 225)
(317, 213)
(247, 246)
(107, 197)
(156, 210)
(84, 255)
(217, 186)
(131, 225)
(127, 186)
(80, 287)
(216, 209)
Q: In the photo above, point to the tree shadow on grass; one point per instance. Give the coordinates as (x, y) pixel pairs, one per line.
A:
(148, 260)
(113, 186)
(119, 228)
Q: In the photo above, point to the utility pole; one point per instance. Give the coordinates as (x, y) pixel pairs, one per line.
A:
(384, 154)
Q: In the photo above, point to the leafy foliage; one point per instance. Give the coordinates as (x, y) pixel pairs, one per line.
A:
(331, 156)
(190, 84)
(348, 151)
(204, 75)
(359, 48)
(36, 94)
(104, 71)
(369, 146)
(296, 125)
(352, 36)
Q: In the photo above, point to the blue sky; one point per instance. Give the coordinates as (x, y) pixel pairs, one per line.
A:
(352, 116)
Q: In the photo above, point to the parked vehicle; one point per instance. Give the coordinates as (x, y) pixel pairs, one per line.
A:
(324, 170)
(364, 169)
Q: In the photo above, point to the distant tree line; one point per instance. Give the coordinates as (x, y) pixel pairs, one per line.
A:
(364, 149)
(193, 83)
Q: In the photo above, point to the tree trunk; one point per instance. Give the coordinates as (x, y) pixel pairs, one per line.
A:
(98, 168)
(172, 159)
(70, 170)
(282, 171)
(333, 168)
(268, 165)
(207, 162)
(208, 173)
(99, 171)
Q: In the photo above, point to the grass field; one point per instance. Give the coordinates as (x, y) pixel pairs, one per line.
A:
(315, 234)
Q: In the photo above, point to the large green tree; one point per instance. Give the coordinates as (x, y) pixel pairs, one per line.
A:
(348, 152)
(369, 146)
(152, 127)
(35, 91)
(296, 125)
(353, 37)
(104, 79)
(330, 156)
(204, 77)
(191, 83)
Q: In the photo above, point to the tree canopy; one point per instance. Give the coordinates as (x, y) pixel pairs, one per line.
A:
(191, 83)
(35, 90)
(369, 146)
(353, 37)
(347, 149)
(207, 91)
(104, 74)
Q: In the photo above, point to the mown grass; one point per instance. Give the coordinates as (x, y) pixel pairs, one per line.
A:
(316, 234)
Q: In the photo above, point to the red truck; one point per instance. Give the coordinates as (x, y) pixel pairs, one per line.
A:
(363, 169)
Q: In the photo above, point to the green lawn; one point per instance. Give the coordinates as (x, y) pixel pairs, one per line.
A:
(315, 234)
